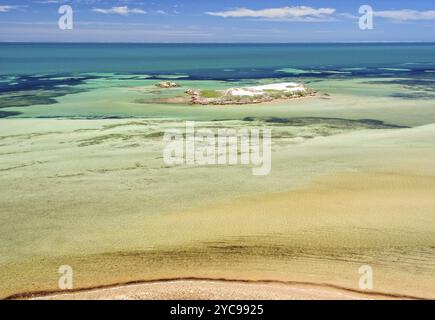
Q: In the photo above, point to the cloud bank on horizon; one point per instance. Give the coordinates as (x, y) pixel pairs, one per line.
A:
(124, 10)
(212, 21)
(302, 13)
(297, 13)
(7, 8)
(406, 15)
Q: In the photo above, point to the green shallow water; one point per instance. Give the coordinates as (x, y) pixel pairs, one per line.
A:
(358, 98)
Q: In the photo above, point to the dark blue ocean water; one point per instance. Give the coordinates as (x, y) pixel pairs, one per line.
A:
(211, 61)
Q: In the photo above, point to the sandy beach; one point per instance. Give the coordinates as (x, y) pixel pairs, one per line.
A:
(197, 289)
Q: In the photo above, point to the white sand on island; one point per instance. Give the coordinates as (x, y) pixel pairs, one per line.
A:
(288, 87)
(216, 290)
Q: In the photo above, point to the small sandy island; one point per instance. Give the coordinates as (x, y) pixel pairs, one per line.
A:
(240, 95)
(197, 289)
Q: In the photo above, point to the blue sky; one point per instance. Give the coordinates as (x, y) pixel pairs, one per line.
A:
(217, 21)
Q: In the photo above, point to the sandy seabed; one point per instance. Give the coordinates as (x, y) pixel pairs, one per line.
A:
(95, 195)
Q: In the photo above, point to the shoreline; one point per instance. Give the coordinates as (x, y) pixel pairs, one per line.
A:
(185, 102)
(177, 287)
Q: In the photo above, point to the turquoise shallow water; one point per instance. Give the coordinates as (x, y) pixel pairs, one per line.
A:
(209, 60)
(117, 80)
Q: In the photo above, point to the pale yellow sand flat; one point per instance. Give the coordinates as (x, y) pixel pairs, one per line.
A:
(320, 234)
(94, 195)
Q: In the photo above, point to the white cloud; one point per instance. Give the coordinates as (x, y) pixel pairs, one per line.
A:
(5, 8)
(124, 11)
(406, 15)
(348, 15)
(51, 1)
(298, 13)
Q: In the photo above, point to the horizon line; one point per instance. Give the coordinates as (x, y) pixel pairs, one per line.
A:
(229, 42)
